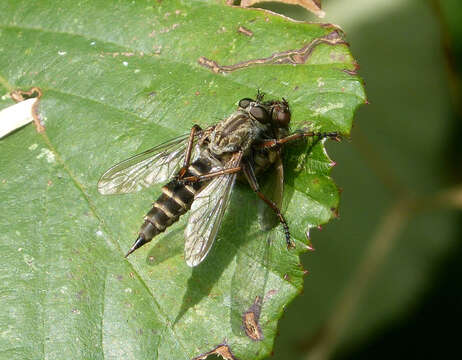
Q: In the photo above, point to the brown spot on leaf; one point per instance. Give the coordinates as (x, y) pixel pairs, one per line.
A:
(350, 72)
(294, 57)
(270, 294)
(222, 350)
(250, 320)
(245, 31)
(354, 71)
(34, 92)
(80, 294)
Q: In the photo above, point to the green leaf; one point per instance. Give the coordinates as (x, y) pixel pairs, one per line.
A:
(118, 79)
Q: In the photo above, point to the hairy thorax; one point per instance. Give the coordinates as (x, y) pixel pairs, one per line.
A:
(236, 133)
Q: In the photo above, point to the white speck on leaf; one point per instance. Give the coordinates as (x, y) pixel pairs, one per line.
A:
(29, 260)
(320, 82)
(33, 147)
(92, 43)
(44, 152)
(128, 290)
(62, 53)
(99, 233)
(328, 107)
(125, 63)
(137, 71)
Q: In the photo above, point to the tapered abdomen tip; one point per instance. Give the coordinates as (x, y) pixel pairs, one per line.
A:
(139, 242)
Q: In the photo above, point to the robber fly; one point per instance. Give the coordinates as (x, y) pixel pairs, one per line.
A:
(202, 167)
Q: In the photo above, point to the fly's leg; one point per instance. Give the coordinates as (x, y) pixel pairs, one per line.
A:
(274, 143)
(249, 173)
(236, 159)
(187, 159)
(193, 179)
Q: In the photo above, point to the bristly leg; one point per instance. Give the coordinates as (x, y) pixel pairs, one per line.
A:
(249, 173)
(192, 179)
(274, 143)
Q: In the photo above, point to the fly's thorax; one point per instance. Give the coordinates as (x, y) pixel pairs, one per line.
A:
(235, 133)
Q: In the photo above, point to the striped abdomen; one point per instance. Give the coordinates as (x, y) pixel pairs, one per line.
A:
(176, 199)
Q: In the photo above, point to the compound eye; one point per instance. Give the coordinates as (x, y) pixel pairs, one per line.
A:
(260, 113)
(282, 117)
(244, 103)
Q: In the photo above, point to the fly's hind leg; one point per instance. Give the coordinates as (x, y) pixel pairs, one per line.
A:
(249, 173)
(196, 178)
(230, 170)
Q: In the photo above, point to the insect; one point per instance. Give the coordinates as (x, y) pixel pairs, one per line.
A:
(202, 167)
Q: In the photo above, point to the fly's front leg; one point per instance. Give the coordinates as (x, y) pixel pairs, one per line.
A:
(275, 143)
(187, 159)
(249, 173)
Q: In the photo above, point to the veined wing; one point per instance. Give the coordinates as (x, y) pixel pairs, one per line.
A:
(153, 166)
(207, 212)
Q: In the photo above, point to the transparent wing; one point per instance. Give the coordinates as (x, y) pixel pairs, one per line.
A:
(205, 219)
(153, 166)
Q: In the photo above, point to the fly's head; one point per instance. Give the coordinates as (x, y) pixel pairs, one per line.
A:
(274, 113)
(280, 113)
